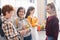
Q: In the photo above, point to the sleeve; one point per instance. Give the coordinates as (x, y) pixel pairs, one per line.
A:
(9, 30)
(55, 25)
(30, 26)
(15, 23)
(4, 27)
(55, 28)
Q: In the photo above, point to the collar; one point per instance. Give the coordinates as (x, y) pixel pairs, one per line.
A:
(5, 19)
(21, 19)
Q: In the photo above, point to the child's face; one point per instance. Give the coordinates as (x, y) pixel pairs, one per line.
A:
(21, 13)
(9, 14)
(32, 12)
(48, 9)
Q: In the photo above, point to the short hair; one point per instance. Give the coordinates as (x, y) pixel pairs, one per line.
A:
(6, 8)
(20, 8)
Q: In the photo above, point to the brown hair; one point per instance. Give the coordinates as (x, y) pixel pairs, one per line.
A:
(6, 8)
(52, 6)
(20, 8)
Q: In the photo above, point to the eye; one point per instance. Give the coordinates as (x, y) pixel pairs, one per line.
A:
(47, 8)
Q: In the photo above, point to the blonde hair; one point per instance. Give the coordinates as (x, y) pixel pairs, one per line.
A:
(52, 6)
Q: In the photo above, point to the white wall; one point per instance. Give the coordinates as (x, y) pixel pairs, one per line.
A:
(20, 3)
(58, 10)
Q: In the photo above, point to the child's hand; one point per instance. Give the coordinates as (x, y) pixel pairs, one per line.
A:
(23, 32)
(27, 30)
(23, 27)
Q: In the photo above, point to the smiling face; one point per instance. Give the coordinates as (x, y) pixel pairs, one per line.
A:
(21, 13)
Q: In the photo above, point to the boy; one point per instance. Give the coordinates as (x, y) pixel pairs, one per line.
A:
(7, 26)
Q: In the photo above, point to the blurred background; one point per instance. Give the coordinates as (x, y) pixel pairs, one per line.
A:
(40, 10)
(39, 5)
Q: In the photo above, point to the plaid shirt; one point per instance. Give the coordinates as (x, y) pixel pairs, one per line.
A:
(9, 29)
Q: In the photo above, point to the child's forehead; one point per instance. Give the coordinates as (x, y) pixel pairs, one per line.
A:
(12, 11)
(22, 10)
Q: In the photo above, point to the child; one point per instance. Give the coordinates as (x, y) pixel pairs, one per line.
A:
(33, 21)
(7, 26)
(21, 24)
(52, 23)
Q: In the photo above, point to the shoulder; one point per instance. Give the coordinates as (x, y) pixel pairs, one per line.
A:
(16, 19)
(55, 19)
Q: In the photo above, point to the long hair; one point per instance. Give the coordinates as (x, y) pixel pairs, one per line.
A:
(52, 6)
(28, 11)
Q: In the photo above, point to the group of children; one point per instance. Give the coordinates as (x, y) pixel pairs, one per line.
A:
(22, 26)
(20, 29)
(52, 23)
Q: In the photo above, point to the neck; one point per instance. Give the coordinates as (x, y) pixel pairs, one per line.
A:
(21, 18)
(6, 17)
(31, 15)
(52, 14)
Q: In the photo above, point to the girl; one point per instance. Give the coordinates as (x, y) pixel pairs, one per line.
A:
(33, 22)
(21, 25)
(52, 23)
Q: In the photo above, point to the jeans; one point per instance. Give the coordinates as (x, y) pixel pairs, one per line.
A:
(50, 38)
(2, 38)
(28, 37)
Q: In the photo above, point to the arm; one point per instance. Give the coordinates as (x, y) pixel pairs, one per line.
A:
(18, 28)
(29, 27)
(55, 27)
(9, 30)
(5, 29)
